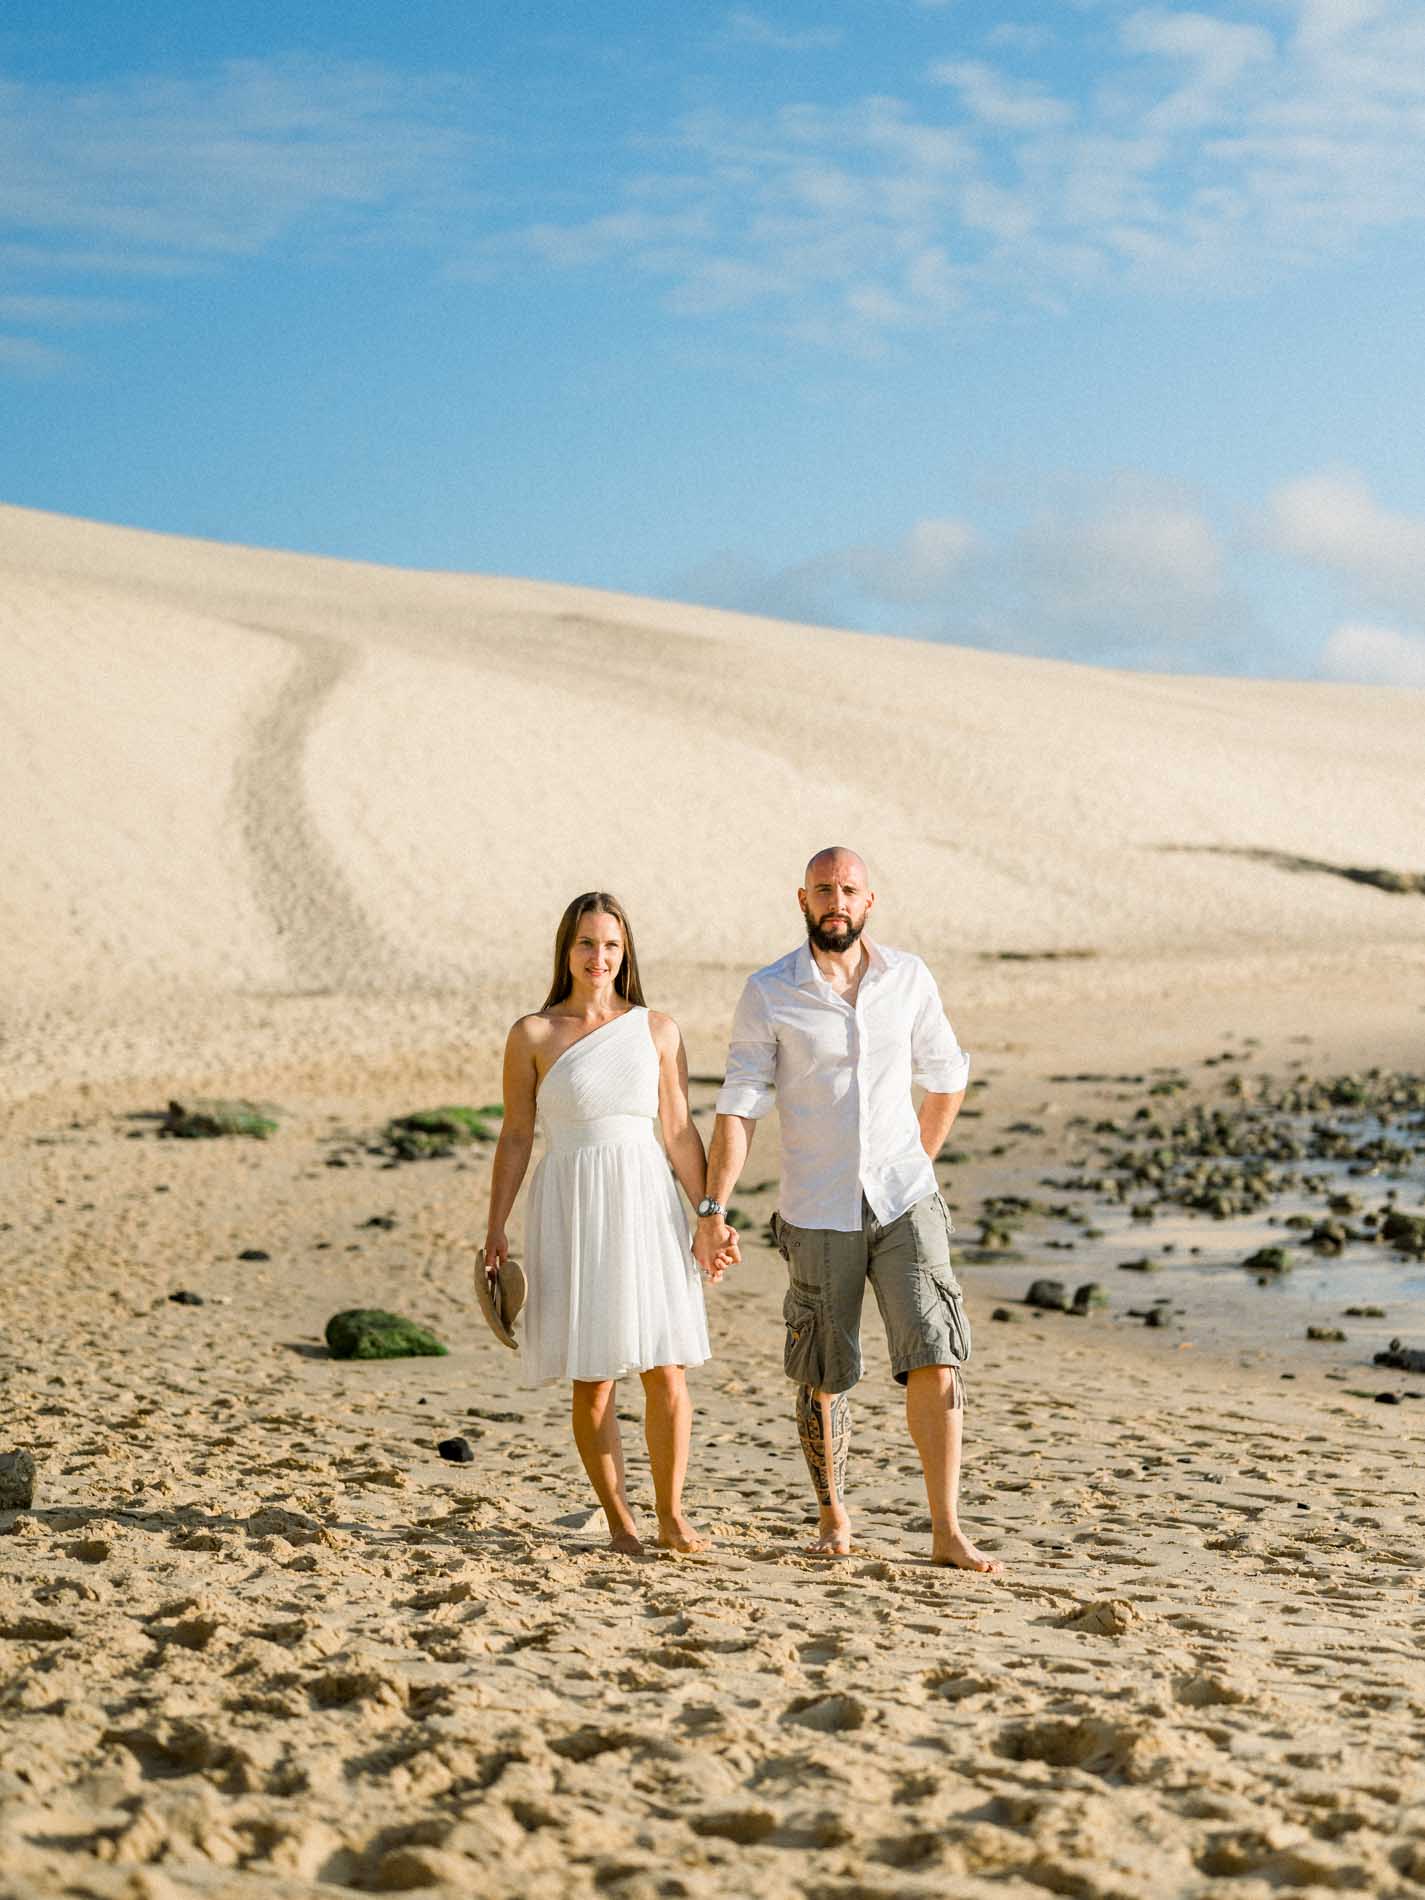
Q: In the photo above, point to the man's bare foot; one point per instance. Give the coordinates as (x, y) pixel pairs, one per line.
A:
(676, 1533)
(626, 1544)
(833, 1535)
(954, 1551)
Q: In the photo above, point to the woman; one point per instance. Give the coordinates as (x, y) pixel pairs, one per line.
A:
(612, 1285)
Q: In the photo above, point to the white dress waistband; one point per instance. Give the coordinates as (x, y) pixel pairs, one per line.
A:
(599, 1131)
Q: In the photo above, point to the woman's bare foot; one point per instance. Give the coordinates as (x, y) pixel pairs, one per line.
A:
(676, 1533)
(954, 1551)
(833, 1535)
(626, 1544)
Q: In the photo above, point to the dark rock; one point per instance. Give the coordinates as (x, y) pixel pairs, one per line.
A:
(1329, 1334)
(458, 1450)
(496, 1418)
(1328, 1237)
(1364, 1312)
(431, 1132)
(1157, 1317)
(739, 1221)
(1002, 1313)
(1089, 1295)
(1051, 1295)
(1404, 1231)
(1145, 1265)
(370, 1333)
(206, 1120)
(186, 1298)
(386, 1222)
(17, 1479)
(1402, 1358)
(254, 1253)
(1269, 1260)
(1387, 1398)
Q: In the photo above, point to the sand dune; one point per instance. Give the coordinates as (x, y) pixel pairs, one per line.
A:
(236, 768)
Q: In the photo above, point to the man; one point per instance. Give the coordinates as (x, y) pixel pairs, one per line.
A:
(837, 1031)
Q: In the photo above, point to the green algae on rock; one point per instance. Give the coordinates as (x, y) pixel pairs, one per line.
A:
(364, 1332)
(207, 1120)
(431, 1132)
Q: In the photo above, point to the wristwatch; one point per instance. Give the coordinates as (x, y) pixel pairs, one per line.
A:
(709, 1206)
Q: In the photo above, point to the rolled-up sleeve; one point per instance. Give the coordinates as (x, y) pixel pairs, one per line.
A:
(938, 1063)
(749, 1084)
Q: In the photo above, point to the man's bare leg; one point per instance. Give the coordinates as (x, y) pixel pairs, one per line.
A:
(667, 1426)
(935, 1415)
(597, 1436)
(824, 1426)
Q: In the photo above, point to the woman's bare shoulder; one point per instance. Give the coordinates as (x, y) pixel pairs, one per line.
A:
(530, 1032)
(663, 1029)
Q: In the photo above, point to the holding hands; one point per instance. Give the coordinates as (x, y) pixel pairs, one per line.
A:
(715, 1246)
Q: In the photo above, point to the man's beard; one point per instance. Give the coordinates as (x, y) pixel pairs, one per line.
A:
(839, 937)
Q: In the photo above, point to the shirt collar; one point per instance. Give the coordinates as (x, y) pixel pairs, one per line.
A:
(807, 976)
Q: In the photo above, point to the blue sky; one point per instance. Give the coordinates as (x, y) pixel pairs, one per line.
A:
(1081, 328)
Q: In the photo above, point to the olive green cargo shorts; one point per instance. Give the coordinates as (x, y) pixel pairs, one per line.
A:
(908, 1265)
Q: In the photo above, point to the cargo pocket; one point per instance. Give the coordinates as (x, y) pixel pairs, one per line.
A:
(952, 1302)
(802, 1358)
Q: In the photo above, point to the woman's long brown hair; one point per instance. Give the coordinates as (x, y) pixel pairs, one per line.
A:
(626, 983)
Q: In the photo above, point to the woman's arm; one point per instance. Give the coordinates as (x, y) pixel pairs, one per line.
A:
(680, 1135)
(516, 1140)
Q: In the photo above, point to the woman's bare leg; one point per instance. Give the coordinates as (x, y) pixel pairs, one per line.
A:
(596, 1434)
(667, 1425)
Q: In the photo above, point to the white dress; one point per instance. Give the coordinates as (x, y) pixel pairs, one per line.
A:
(613, 1287)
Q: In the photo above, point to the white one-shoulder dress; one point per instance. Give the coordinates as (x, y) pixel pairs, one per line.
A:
(613, 1287)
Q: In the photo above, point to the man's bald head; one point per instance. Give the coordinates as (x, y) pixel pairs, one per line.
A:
(836, 898)
(828, 858)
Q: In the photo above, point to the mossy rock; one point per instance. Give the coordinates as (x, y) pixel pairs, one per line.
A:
(739, 1222)
(369, 1333)
(1268, 1260)
(207, 1120)
(430, 1132)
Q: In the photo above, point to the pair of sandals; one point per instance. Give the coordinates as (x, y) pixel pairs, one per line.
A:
(502, 1295)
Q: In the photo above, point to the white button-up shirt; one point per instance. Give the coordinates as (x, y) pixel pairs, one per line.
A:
(841, 1077)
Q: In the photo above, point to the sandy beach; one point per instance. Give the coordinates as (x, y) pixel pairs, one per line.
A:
(298, 831)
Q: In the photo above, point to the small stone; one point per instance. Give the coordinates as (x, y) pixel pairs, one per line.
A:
(1268, 1260)
(1158, 1316)
(1387, 1398)
(254, 1253)
(1088, 1296)
(1003, 1314)
(1364, 1312)
(17, 1479)
(185, 1297)
(1327, 1333)
(1142, 1265)
(458, 1450)
(384, 1221)
(1051, 1295)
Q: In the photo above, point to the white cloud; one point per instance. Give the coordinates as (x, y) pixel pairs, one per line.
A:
(67, 311)
(23, 356)
(1334, 522)
(1216, 52)
(1374, 656)
(997, 101)
(748, 28)
(1132, 574)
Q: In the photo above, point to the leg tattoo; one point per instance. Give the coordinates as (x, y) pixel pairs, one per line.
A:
(824, 1426)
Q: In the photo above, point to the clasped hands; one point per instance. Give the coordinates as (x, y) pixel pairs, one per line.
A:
(715, 1246)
